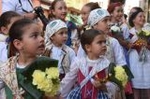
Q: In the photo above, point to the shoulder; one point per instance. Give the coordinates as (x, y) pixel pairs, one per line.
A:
(132, 30)
(68, 49)
(113, 40)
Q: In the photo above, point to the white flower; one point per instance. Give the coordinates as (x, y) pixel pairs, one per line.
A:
(115, 29)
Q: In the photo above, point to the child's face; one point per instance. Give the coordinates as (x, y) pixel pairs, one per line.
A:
(103, 25)
(139, 19)
(60, 37)
(5, 30)
(60, 10)
(117, 14)
(98, 46)
(32, 42)
(85, 11)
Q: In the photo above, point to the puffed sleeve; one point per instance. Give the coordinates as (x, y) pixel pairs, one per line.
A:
(118, 52)
(69, 80)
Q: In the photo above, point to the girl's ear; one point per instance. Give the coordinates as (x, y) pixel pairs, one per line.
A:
(4, 30)
(53, 12)
(18, 44)
(88, 47)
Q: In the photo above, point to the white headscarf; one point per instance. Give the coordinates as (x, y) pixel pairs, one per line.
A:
(97, 15)
(53, 27)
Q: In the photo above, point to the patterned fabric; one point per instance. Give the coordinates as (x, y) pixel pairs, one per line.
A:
(97, 15)
(8, 75)
(52, 28)
(65, 62)
(72, 34)
(76, 94)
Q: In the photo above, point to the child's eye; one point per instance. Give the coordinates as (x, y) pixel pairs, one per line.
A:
(34, 35)
(100, 42)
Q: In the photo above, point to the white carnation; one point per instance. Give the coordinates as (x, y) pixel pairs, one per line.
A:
(115, 29)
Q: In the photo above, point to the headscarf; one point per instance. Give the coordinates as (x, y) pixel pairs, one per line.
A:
(97, 15)
(52, 28)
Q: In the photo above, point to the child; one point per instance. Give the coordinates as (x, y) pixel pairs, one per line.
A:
(85, 11)
(139, 65)
(59, 10)
(55, 38)
(116, 12)
(87, 70)
(6, 20)
(25, 37)
(99, 20)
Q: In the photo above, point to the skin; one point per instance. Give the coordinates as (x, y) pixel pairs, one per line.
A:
(103, 25)
(59, 38)
(5, 29)
(85, 11)
(117, 14)
(94, 50)
(60, 10)
(139, 20)
(97, 47)
(31, 45)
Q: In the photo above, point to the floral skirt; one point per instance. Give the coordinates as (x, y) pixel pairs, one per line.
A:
(76, 94)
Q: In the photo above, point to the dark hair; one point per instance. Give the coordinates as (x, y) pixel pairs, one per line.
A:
(112, 6)
(133, 15)
(54, 3)
(92, 5)
(6, 17)
(16, 31)
(88, 36)
(52, 7)
(125, 16)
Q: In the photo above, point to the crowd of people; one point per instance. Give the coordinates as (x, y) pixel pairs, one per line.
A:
(84, 53)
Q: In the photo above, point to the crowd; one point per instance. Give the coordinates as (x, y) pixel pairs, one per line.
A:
(84, 53)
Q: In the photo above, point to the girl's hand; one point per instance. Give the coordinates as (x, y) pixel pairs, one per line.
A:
(97, 84)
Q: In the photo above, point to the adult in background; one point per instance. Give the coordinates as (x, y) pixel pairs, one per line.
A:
(23, 7)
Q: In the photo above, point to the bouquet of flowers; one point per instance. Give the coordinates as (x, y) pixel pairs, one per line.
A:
(119, 75)
(41, 78)
(116, 31)
(141, 43)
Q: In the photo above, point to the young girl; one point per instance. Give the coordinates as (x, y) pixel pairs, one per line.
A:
(99, 20)
(139, 65)
(59, 10)
(116, 15)
(85, 11)
(87, 70)
(6, 20)
(55, 38)
(25, 37)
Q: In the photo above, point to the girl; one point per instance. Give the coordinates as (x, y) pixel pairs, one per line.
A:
(25, 37)
(6, 21)
(99, 20)
(59, 10)
(140, 66)
(85, 11)
(116, 15)
(55, 38)
(87, 70)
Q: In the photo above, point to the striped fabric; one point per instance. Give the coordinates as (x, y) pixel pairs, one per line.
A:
(76, 94)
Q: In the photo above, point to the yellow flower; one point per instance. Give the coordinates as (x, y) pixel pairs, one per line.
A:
(147, 33)
(47, 81)
(52, 73)
(121, 75)
(38, 77)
